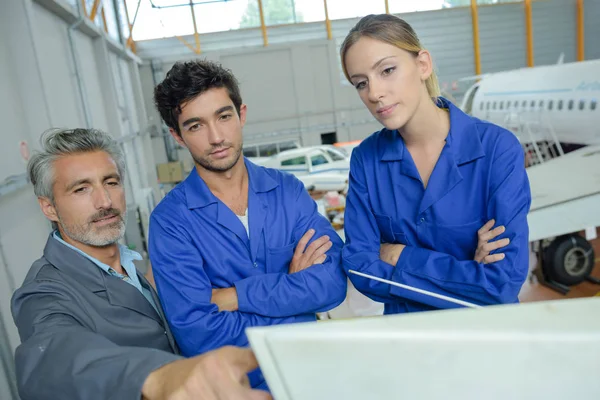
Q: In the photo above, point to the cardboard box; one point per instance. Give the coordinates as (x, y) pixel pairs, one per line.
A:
(170, 172)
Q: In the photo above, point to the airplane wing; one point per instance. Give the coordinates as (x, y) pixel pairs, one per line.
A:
(565, 194)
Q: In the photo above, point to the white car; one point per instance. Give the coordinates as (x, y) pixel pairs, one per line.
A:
(320, 168)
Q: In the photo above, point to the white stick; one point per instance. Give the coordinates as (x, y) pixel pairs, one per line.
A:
(414, 289)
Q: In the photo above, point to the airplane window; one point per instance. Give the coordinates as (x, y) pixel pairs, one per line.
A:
(494, 106)
(560, 104)
(541, 105)
(294, 161)
(502, 105)
(516, 105)
(335, 156)
(318, 160)
(287, 146)
(570, 104)
(487, 105)
(532, 104)
(593, 105)
(524, 104)
(250, 151)
(481, 106)
(550, 104)
(581, 104)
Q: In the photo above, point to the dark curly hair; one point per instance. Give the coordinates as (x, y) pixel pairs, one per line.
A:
(185, 81)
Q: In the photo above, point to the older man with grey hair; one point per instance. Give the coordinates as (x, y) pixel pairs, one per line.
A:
(91, 325)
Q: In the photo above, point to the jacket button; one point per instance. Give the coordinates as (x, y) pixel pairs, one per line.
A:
(255, 265)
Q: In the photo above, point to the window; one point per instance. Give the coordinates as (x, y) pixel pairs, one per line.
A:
(524, 105)
(560, 104)
(541, 104)
(502, 105)
(335, 156)
(550, 104)
(481, 106)
(294, 161)
(571, 104)
(267, 150)
(287, 146)
(581, 104)
(593, 105)
(318, 160)
(516, 105)
(532, 104)
(487, 105)
(250, 152)
(494, 105)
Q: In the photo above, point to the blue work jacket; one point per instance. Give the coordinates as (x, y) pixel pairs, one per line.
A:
(479, 175)
(198, 244)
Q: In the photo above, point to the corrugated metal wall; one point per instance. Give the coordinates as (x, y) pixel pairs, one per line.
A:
(502, 37)
(554, 31)
(592, 29)
(448, 35)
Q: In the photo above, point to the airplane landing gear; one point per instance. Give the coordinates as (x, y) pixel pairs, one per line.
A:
(566, 261)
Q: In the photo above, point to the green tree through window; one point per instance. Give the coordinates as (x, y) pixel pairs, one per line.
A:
(276, 12)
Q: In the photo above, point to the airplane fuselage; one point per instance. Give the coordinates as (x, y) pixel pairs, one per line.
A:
(564, 96)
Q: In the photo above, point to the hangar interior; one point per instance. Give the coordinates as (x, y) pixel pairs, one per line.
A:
(95, 63)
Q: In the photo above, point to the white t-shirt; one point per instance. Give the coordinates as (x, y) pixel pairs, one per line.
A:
(244, 219)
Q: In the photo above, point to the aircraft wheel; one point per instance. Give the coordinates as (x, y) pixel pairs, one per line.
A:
(568, 259)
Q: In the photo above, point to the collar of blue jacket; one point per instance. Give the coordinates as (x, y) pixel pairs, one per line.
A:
(462, 140)
(198, 194)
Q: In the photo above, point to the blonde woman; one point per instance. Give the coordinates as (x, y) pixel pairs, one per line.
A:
(422, 188)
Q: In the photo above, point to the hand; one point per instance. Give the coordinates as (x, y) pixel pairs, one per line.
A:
(226, 299)
(484, 246)
(315, 253)
(216, 375)
(390, 253)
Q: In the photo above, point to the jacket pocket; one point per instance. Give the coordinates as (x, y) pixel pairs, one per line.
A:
(279, 258)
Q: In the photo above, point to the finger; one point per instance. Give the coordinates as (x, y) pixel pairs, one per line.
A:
(245, 381)
(314, 246)
(320, 259)
(303, 241)
(488, 225)
(491, 246)
(322, 249)
(493, 258)
(257, 395)
(486, 237)
(243, 359)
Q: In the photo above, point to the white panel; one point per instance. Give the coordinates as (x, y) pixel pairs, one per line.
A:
(57, 69)
(266, 83)
(543, 350)
(125, 77)
(12, 116)
(89, 74)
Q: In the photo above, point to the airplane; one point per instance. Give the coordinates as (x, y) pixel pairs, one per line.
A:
(552, 108)
(563, 97)
(320, 168)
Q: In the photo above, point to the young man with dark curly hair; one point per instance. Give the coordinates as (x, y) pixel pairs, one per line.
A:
(235, 245)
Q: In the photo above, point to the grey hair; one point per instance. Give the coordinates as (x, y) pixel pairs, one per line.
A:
(56, 143)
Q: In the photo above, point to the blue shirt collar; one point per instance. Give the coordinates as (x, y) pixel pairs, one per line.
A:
(198, 194)
(462, 140)
(127, 258)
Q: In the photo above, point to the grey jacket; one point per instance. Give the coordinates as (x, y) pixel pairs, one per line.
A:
(85, 334)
